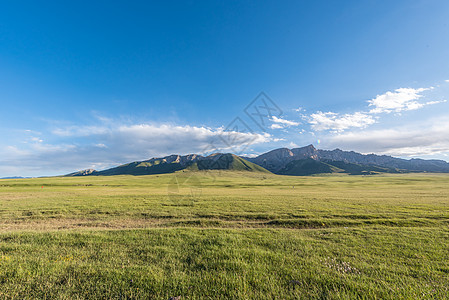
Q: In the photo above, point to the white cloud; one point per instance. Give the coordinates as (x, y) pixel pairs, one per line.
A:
(421, 139)
(280, 123)
(447, 80)
(250, 155)
(335, 122)
(276, 126)
(278, 139)
(402, 99)
(435, 102)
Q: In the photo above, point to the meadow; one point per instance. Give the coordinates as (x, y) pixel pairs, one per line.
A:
(225, 235)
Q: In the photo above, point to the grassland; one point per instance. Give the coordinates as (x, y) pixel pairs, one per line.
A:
(225, 235)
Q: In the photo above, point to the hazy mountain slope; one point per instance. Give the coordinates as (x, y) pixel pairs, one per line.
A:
(82, 173)
(417, 165)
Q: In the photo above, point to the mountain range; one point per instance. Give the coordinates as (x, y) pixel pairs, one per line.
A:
(296, 162)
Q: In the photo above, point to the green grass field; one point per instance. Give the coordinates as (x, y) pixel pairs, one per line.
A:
(226, 235)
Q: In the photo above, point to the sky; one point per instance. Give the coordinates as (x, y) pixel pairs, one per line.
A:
(94, 84)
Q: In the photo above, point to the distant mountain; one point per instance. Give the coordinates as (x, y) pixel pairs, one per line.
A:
(173, 163)
(350, 162)
(298, 162)
(15, 177)
(277, 159)
(414, 165)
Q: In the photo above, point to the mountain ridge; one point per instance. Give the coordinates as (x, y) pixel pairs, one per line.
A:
(283, 161)
(270, 159)
(173, 163)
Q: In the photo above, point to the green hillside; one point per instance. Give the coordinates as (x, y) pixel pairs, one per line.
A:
(226, 162)
(163, 166)
(143, 168)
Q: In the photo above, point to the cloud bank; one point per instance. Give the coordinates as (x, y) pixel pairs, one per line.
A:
(402, 99)
(418, 139)
(100, 147)
(279, 123)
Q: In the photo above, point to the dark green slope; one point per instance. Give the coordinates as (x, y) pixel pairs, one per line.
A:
(309, 166)
(226, 162)
(304, 167)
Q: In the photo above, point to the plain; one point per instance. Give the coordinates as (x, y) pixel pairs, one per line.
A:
(234, 235)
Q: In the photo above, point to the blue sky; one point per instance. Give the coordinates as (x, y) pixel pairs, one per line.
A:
(93, 85)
